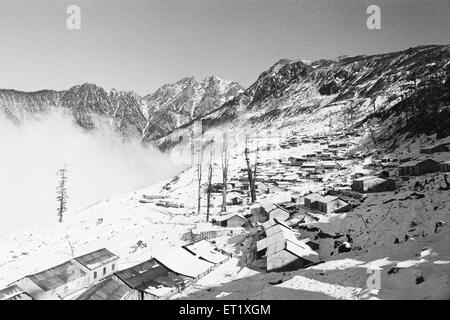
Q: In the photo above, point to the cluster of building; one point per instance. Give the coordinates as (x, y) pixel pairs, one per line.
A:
(95, 276)
(282, 250)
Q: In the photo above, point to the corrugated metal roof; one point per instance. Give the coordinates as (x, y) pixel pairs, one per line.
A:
(275, 229)
(108, 289)
(207, 251)
(229, 216)
(365, 178)
(328, 199)
(261, 244)
(149, 275)
(309, 165)
(182, 262)
(415, 163)
(96, 259)
(14, 292)
(410, 164)
(302, 250)
(57, 276)
(313, 196)
(280, 238)
(272, 222)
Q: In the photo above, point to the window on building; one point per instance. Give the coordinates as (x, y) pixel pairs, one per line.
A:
(95, 274)
(104, 270)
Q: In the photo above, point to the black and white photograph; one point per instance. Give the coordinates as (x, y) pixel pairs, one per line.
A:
(226, 150)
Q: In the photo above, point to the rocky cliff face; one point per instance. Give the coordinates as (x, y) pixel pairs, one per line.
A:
(147, 117)
(19, 106)
(384, 89)
(174, 105)
(89, 105)
(346, 92)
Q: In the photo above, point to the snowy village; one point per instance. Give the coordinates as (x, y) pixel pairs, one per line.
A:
(225, 150)
(277, 207)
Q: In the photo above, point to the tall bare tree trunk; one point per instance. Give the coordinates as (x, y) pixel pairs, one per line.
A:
(224, 158)
(251, 181)
(210, 172)
(199, 177)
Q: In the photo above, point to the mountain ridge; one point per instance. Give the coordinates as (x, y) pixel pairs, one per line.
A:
(125, 111)
(352, 91)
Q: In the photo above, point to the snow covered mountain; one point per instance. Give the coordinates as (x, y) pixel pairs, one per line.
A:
(401, 234)
(88, 104)
(152, 116)
(348, 91)
(176, 104)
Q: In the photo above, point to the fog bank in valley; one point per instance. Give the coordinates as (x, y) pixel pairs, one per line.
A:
(100, 164)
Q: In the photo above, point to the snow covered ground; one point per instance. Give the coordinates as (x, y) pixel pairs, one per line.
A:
(403, 238)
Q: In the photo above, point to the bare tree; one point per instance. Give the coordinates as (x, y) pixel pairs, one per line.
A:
(199, 177)
(330, 124)
(250, 172)
(224, 155)
(255, 166)
(351, 110)
(61, 193)
(210, 172)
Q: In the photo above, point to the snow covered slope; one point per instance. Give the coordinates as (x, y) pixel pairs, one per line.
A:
(346, 92)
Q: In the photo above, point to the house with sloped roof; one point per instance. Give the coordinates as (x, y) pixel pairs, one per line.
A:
(14, 292)
(329, 204)
(419, 167)
(153, 280)
(310, 200)
(310, 167)
(110, 288)
(438, 147)
(97, 264)
(331, 165)
(372, 184)
(234, 198)
(232, 220)
(210, 231)
(205, 250)
(282, 250)
(55, 283)
(181, 262)
(272, 211)
(297, 160)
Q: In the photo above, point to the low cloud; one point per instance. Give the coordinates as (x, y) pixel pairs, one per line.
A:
(101, 164)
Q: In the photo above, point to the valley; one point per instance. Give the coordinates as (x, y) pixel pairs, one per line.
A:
(337, 186)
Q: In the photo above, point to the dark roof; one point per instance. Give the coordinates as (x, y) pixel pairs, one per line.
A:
(57, 276)
(108, 289)
(151, 273)
(14, 293)
(416, 162)
(97, 258)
